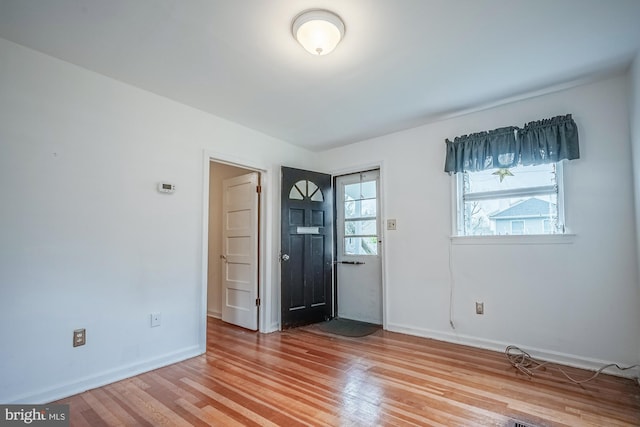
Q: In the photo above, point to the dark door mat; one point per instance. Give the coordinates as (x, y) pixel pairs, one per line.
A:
(347, 327)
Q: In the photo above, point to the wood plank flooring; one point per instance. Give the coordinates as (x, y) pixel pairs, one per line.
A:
(305, 377)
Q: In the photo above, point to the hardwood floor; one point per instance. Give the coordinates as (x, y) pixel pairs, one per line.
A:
(305, 377)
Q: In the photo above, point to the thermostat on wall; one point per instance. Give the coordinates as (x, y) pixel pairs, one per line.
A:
(165, 187)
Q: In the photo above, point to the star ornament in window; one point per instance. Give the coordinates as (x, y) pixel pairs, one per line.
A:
(502, 173)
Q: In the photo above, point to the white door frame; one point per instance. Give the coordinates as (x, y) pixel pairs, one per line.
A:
(383, 230)
(265, 233)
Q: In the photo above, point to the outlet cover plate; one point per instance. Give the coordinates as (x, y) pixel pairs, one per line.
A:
(79, 337)
(155, 319)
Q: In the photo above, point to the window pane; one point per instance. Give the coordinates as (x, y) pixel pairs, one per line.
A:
(521, 177)
(360, 209)
(368, 208)
(496, 216)
(368, 190)
(352, 209)
(364, 190)
(317, 196)
(311, 187)
(352, 192)
(365, 227)
(295, 194)
(360, 217)
(361, 245)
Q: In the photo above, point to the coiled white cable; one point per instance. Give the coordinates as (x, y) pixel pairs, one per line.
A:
(526, 364)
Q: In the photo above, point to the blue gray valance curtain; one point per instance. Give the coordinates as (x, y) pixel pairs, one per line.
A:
(542, 141)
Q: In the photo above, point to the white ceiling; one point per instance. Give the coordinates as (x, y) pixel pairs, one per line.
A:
(402, 62)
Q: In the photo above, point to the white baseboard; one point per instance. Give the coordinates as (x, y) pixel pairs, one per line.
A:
(214, 314)
(274, 326)
(107, 377)
(541, 354)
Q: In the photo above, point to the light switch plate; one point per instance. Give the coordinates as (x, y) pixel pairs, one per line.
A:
(391, 224)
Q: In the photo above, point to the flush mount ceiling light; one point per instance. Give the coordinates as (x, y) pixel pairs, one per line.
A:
(318, 31)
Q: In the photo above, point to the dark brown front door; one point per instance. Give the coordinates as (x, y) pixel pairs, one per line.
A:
(306, 242)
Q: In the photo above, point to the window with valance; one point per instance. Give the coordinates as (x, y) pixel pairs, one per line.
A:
(509, 180)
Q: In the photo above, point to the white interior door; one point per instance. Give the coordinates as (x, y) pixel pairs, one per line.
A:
(240, 250)
(359, 265)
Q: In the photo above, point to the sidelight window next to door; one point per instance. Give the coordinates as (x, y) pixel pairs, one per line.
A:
(360, 210)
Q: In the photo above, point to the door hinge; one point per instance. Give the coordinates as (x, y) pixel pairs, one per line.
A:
(257, 302)
(258, 188)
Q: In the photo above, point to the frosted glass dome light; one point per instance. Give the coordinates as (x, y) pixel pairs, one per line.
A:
(318, 31)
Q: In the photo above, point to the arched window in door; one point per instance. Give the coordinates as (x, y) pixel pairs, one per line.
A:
(304, 189)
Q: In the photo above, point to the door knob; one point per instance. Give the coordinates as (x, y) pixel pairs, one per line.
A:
(285, 257)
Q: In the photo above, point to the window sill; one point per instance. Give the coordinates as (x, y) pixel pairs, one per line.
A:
(530, 239)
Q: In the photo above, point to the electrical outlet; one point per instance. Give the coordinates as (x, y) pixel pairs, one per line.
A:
(391, 224)
(479, 308)
(79, 337)
(155, 319)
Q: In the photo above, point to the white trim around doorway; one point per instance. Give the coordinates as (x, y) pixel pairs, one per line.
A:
(265, 246)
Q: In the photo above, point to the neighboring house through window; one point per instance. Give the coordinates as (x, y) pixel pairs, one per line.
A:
(520, 200)
(528, 216)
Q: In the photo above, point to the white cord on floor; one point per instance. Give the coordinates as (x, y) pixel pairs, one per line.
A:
(526, 364)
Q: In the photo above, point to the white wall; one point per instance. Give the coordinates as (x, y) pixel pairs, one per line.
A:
(86, 241)
(634, 106)
(576, 303)
(217, 173)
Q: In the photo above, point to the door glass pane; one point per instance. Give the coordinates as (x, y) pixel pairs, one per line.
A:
(360, 209)
(295, 194)
(304, 188)
(352, 192)
(311, 187)
(361, 245)
(352, 209)
(368, 208)
(368, 190)
(317, 196)
(359, 228)
(360, 216)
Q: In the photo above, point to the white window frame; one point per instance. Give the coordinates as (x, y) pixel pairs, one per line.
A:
(457, 210)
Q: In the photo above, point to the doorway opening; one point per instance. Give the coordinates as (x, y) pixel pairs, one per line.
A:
(358, 247)
(233, 255)
(331, 247)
